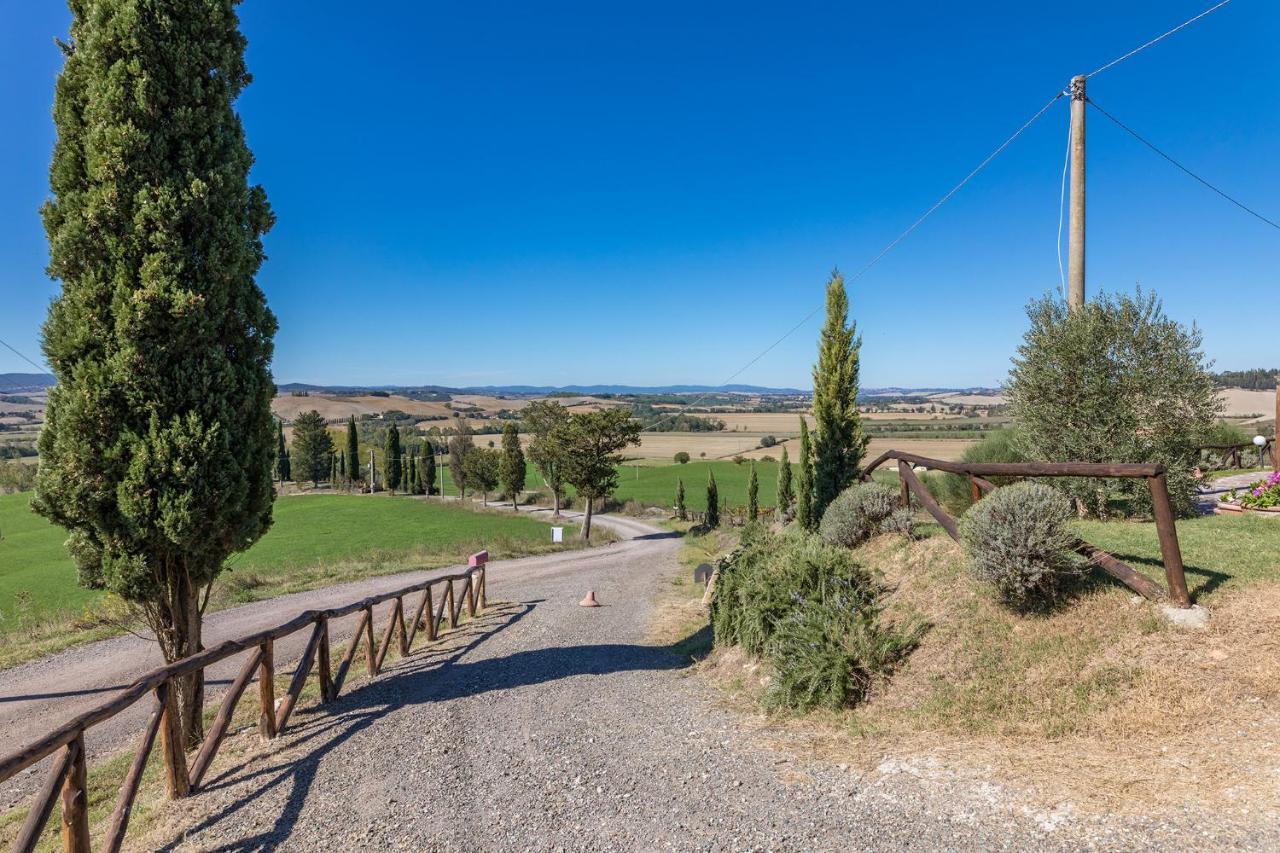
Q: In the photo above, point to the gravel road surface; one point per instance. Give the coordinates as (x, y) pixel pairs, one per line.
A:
(548, 726)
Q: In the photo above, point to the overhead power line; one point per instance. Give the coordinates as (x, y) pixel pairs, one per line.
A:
(876, 259)
(1158, 38)
(1183, 168)
(23, 357)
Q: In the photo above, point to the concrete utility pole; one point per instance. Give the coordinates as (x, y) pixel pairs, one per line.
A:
(371, 481)
(1075, 244)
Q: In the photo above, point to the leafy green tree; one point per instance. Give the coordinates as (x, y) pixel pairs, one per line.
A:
(312, 447)
(158, 444)
(804, 483)
(548, 422)
(682, 458)
(1115, 381)
(482, 465)
(392, 469)
(713, 501)
(591, 442)
(429, 469)
(682, 512)
(753, 495)
(839, 443)
(283, 473)
(786, 494)
(353, 450)
(513, 471)
(460, 445)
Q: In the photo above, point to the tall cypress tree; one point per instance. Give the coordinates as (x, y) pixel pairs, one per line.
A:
(681, 512)
(342, 466)
(713, 501)
(391, 467)
(158, 445)
(282, 456)
(512, 470)
(429, 468)
(785, 492)
(411, 475)
(753, 495)
(839, 443)
(804, 482)
(353, 450)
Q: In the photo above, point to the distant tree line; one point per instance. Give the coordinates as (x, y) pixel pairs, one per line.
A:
(648, 416)
(1258, 379)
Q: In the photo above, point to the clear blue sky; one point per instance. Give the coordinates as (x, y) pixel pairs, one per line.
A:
(495, 192)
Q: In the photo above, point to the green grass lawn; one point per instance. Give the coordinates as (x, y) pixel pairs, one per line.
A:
(1219, 552)
(315, 540)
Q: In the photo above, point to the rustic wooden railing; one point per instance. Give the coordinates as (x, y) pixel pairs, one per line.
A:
(67, 779)
(976, 472)
(1233, 455)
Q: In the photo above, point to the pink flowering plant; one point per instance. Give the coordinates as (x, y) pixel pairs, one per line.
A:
(1264, 494)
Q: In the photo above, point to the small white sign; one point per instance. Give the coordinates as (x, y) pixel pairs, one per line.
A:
(557, 534)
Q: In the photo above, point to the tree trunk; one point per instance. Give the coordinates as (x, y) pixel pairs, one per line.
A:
(555, 500)
(586, 519)
(176, 621)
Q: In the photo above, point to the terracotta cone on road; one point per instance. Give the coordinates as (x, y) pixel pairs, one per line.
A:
(589, 600)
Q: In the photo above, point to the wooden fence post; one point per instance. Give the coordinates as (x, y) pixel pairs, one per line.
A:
(129, 789)
(1168, 533)
(371, 649)
(267, 692)
(326, 674)
(75, 802)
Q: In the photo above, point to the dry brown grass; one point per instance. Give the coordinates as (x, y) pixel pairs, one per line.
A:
(1101, 704)
(936, 448)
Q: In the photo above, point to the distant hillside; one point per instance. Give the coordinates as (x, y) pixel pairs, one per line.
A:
(16, 383)
(1258, 379)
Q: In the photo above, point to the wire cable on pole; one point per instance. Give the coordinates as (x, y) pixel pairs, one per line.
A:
(23, 357)
(1183, 168)
(1062, 203)
(871, 263)
(1158, 38)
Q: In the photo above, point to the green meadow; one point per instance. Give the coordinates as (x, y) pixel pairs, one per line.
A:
(315, 540)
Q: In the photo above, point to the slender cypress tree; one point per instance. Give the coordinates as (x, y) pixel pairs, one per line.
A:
(512, 470)
(785, 492)
(429, 468)
(342, 466)
(804, 483)
(411, 477)
(753, 495)
(353, 450)
(157, 448)
(839, 443)
(713, 501)
(419, 487)
(282, 456)
(682, 513)
(391, 467)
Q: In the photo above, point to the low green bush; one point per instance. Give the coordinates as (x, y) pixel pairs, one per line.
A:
(1018, 540)
(862, 511)
(812, 613)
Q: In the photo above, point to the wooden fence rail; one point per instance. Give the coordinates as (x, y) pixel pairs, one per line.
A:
(67, 778)
(1233, 455)
(976, 472)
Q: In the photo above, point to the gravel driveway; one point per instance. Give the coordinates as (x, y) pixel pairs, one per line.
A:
(547, 726)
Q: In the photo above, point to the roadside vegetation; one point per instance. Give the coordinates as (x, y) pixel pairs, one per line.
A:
(315, 541)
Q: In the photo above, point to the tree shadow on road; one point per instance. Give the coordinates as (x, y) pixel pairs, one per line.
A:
(436, 673)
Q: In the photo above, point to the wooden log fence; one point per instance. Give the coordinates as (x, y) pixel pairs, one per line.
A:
(1235, 455)
(66, 781)
(1176, 591)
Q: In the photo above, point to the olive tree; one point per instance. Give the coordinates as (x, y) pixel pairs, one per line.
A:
(1115, 381)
